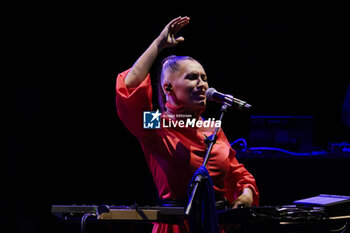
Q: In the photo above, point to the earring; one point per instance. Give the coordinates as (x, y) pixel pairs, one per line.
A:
(169, 88)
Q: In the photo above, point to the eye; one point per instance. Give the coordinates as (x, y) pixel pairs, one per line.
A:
(191, 76)
(194, 76)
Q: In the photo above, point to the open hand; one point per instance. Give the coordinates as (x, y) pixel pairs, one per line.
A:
(167, 36)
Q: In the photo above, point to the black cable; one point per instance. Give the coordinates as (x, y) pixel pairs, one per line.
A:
(342, 229)
(83, 221)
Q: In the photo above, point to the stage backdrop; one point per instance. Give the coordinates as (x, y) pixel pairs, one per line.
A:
(65, 144)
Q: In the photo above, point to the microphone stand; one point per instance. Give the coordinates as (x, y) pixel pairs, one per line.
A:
(210, 141)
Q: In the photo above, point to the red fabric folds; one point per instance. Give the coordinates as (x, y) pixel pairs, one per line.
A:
(174, 154)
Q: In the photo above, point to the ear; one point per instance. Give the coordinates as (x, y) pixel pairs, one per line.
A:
(168, 88)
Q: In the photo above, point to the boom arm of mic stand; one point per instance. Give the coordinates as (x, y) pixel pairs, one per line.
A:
(211, 142)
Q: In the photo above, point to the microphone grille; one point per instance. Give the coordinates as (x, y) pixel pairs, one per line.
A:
(209, 93)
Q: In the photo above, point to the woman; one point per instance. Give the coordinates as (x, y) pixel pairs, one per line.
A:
(174, 153)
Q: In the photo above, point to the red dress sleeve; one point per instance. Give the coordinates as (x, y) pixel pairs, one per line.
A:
(131, 102)
(239, 178)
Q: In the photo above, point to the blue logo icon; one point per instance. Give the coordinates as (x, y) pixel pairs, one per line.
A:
(151, 119)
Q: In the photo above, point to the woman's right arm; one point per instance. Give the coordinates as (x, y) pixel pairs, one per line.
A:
(166, 38)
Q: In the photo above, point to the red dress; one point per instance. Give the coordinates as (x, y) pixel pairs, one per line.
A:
(173, 154)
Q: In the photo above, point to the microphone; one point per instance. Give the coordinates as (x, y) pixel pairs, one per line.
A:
(214, 95)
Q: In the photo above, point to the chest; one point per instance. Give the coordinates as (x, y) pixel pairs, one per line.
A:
(188, 149)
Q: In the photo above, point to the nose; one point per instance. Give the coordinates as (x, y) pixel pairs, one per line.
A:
(201, 84)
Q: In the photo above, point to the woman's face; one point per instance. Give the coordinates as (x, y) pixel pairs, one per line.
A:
(189, 85)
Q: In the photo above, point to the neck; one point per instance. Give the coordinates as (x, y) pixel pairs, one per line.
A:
(172, 109)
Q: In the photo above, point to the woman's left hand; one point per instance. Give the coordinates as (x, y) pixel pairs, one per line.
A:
(245, 199)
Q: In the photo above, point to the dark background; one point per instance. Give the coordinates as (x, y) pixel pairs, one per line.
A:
(64, 143)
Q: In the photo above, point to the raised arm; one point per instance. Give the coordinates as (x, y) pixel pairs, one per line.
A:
(165, 39)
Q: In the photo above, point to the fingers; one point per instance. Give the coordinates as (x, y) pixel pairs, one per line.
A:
(176, 24)
(179, 39)
(178, 20)
(236, 204)
(173, 21)
(180, 26)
